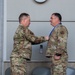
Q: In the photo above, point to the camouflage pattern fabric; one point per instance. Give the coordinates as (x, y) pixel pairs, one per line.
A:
(58, 44)
(22, 49)
(23, 39)
(18, 66)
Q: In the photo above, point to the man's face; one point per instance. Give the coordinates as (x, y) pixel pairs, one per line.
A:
(54, 20)
(26, 21)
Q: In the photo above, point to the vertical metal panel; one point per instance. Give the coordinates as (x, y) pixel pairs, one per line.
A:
(1, 34)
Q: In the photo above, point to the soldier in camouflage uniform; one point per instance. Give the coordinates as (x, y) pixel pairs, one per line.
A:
(57, 46)
(22, 49)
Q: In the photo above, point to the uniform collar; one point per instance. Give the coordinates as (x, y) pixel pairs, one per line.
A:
(57, 25)
(23, 26)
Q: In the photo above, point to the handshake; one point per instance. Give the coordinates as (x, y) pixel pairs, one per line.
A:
(47, 38)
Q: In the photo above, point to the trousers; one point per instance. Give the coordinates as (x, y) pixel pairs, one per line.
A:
(59, 67)
(18, 66)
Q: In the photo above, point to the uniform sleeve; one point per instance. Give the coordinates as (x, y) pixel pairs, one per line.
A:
(57, 43)
(32, 38)
(52, 43)
(62, 35)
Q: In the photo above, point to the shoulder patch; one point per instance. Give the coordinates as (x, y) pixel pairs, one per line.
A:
(62, 32)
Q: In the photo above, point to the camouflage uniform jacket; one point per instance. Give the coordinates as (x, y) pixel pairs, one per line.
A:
(57, 41)
(23, 39)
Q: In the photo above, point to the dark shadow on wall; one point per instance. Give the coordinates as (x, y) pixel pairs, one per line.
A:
(41, 71)
(8, 71)
(37, 70)
(70, 71)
